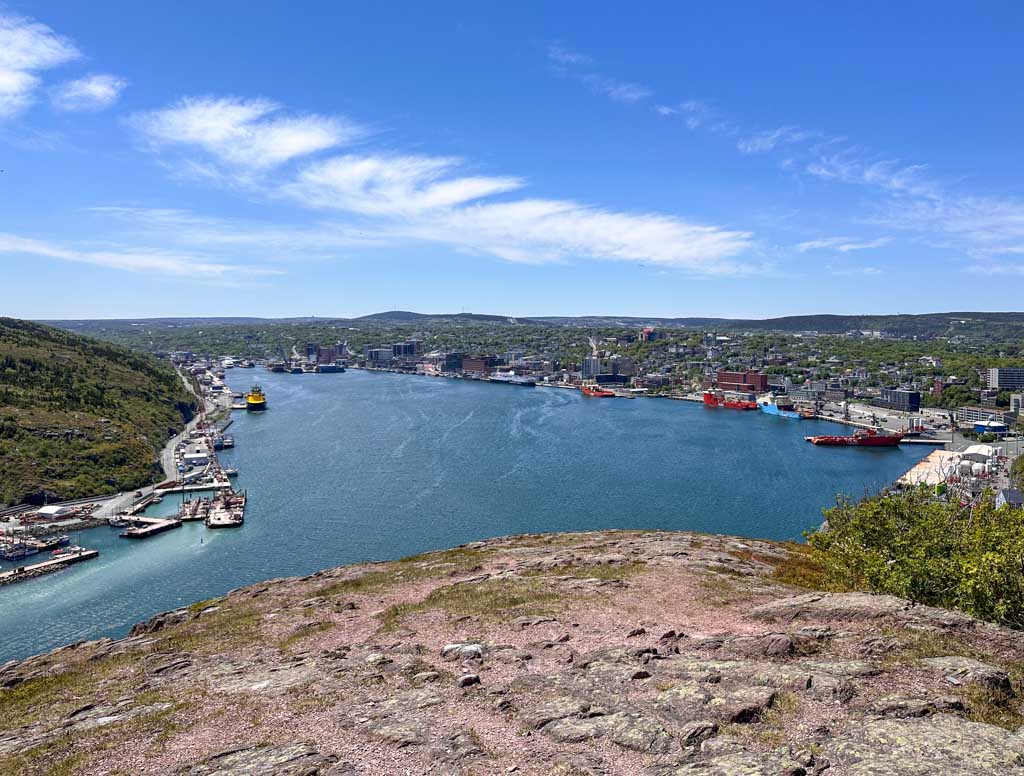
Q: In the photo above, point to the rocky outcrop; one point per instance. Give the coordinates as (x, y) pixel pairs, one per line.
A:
(601, 653)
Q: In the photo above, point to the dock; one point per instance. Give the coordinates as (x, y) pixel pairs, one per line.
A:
(150, 526)
(45, 567)
(931, 470)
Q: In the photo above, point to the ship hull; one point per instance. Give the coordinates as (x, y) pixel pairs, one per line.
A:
(255, 406)
(850, 441)
(772, 409)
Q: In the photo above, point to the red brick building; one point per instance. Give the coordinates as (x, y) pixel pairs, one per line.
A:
(749, 382)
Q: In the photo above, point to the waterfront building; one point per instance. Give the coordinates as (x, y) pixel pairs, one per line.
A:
(1006, 378)
(478, 364)
(900, 399)
(591, 367)
(408, 349)
(1017, 404)
(750, 381)
(451, 362)
(379, 356)
(970, 415)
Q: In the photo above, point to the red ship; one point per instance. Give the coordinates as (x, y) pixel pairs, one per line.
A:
(865, 437)
(593, 390)
(719, 399)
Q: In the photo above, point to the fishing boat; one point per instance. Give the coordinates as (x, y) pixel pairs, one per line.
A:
(255, 400)
(596, 391)
(782, 406)
(865, 437)
(50, 542)
(17, 550)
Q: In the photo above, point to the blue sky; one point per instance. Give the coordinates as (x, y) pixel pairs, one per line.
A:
(743, 159)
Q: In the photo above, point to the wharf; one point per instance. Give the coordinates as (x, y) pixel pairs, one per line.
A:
(151, 526)
(931, 470)
(218, 485)
(45, 567)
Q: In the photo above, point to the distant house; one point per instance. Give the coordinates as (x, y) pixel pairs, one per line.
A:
(1010, 496)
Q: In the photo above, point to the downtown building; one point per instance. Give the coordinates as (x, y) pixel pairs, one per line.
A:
(1006, 378)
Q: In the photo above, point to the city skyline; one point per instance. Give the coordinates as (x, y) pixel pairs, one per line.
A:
(529, 161)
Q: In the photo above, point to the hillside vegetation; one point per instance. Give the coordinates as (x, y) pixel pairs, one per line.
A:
(932, 552)
(80, 417)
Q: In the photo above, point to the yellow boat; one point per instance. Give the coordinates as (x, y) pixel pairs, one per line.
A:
(255, 400)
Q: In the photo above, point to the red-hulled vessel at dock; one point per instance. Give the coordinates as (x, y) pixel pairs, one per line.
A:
(719, 399)
(596, 391)
(865, 437)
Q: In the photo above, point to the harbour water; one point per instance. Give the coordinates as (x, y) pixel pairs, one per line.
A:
(373, 466)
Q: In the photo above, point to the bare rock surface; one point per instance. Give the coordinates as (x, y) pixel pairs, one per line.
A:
(604, 653)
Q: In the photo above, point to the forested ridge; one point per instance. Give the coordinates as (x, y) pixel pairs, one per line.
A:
(79, 416)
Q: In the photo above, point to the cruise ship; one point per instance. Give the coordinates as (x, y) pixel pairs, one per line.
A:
(782, 406)
(512, 379)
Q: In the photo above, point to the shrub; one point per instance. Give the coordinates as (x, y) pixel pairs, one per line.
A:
(932, 552)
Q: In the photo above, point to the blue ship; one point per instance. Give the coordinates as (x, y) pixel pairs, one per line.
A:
(782, 406)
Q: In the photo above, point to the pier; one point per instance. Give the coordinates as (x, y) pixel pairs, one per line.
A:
(45, 567)
(150, 526)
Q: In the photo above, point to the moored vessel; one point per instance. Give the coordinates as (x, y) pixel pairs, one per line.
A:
(512, 379)
(596, 391)
(717, 398)
(255, 400)
(865, 437)
(782, 406)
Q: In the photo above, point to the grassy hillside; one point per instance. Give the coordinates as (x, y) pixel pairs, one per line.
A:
(78, 416)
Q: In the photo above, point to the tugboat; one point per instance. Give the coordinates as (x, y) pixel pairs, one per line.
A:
(255, 400)
(865, 437)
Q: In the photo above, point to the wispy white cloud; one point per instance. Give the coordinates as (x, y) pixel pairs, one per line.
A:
(424, 198)
(286, 241)
(26, 49)
(854, 166)
(572, 64)
(988, 229)
(565, 56)
(392, 185)
(243, 133)
(432, 198)
(760, 142)
(697, 114)
(538, 230)
(130, 259)
(620, 91)
(842, 244)
(92, 92)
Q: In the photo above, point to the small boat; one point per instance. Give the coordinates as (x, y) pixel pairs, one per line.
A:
(64, 552)
(231, 472)
(597, 392)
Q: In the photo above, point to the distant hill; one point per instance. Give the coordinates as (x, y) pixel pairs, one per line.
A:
(259, 337)
(78, 416)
